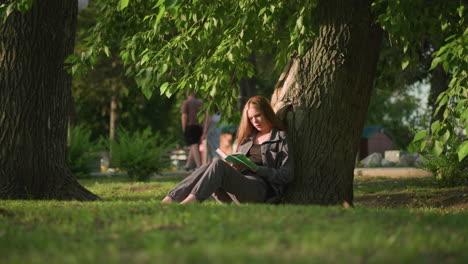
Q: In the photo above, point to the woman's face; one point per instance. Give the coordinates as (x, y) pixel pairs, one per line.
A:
(258, 120)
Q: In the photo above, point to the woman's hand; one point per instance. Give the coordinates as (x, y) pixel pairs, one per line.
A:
(238, 168)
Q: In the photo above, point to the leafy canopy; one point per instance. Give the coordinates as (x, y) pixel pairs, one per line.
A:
(172, 45)
(201, 45)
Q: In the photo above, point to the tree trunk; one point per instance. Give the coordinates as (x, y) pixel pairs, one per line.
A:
(324, 96)
(114, 115)
(34, 93)
(247, 87)
(439, 84)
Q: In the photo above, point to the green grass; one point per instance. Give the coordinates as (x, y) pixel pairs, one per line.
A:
(130, 226)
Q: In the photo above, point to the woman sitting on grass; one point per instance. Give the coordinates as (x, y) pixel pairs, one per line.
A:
(262, 139)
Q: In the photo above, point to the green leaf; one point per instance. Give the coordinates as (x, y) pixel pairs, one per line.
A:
(445, 136)
(213, 91)
(405, 63)
(383, 17)
(440, 51)
(74, 69)
(24, 5)
(243, 19)
(462, 150)
(147, 92)
(123, 4)
(162, 9)
(160, 2)
(461, 104)
(444, 100)
(125, 56)
(446, 113)
(147, 17)
(405, 49)
(264, 19)
(460, 11)
(437, 110)
(466, 127)
(446, 66)
(106, 50)
(435, 126)
(9, 10)
(440, 97)
(435, 62)
(230, 56)
(163, 88)
(299, 22)
(171, 3)
(412, 147)
(419, 135)
(464, 115)
(164, 68)
(438, 148)
(423, 145)
(169, 93)
(300, 49)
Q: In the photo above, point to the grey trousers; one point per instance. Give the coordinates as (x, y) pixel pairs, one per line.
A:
(224, 182)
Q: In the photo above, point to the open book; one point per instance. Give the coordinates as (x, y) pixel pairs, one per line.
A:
(237, 158)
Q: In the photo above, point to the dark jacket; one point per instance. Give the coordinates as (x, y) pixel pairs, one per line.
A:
(278, 169)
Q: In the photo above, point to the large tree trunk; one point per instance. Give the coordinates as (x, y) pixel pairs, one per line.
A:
(324, 95)
(34, 93)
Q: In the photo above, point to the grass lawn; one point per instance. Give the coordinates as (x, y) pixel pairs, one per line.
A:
(394, 221)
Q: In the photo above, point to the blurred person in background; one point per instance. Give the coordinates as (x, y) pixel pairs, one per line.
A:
(192, 129)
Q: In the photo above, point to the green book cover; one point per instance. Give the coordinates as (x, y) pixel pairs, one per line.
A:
(238, 158)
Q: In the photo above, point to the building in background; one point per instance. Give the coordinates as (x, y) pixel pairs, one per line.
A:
(375, 139)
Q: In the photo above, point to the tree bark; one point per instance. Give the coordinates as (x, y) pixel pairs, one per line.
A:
(439, 84)
(34, 97)
(114, 114)
(324, 96)
(247, 87)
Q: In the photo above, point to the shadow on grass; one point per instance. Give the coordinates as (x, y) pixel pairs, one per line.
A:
(370, 185)
(408, 192)
(447, 199)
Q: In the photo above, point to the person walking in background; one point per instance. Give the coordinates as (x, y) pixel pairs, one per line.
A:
(192, 129)
(262, 138)
(211, 134)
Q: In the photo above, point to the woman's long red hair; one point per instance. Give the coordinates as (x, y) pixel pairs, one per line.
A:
(261, 104)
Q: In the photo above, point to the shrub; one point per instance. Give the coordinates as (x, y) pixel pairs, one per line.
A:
(80, 151)
(447, 169)
(139, 153)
